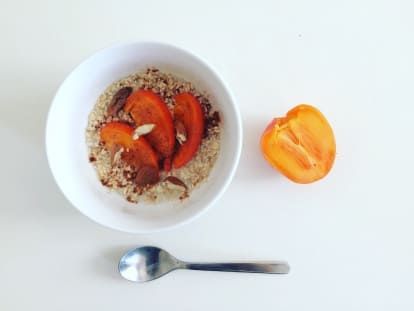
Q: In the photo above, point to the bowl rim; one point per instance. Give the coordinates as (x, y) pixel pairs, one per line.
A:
(238, 138)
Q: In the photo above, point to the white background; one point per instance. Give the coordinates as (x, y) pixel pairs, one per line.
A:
(348, 238)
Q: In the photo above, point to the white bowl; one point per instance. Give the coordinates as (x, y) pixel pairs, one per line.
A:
(67, 151)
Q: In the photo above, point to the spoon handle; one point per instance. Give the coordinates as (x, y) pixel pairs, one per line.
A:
(264, 267)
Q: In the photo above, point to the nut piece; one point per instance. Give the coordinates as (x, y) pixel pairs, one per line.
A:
(117, 155)
(118, 101)
(115, 152)
(181, 133)
(142, 130)
(176, 181)
(147, 175)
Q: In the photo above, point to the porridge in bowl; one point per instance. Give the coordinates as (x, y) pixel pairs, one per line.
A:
(152, 136)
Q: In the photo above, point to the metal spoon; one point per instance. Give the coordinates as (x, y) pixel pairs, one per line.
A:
(147, 263)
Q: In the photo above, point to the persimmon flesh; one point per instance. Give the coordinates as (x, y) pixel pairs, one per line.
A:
(300, 145)
(137, 153)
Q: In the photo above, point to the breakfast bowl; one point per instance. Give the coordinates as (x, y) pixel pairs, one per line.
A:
(67, 150)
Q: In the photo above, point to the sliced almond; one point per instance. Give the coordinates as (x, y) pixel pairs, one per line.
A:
(181, 133)
(176, 181)
(115, 152)
(142, 130)
(117, 155)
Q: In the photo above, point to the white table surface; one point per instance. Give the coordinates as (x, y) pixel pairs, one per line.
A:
(349, 238)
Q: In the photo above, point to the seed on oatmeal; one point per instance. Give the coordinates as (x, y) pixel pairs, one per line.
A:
(184, 195)
(176, 181)
(142, 130)
(181, 133)
(147, 175)
(117, 155)
(216, 118)
(118, 101)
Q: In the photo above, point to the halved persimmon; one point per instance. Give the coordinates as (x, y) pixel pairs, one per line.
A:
(137, 153)
(188, 112)
(300, 145)
(146, 107)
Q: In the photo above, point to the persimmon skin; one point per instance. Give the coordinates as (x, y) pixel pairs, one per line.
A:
(300, 145)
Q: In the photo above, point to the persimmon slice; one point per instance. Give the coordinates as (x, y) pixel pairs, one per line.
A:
(137, 153)
(146, 107)
(300, 145)
(188, 111)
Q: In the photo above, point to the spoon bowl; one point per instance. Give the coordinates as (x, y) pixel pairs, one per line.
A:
(147, 263)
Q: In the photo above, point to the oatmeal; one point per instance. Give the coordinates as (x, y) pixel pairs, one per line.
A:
(153, 137)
